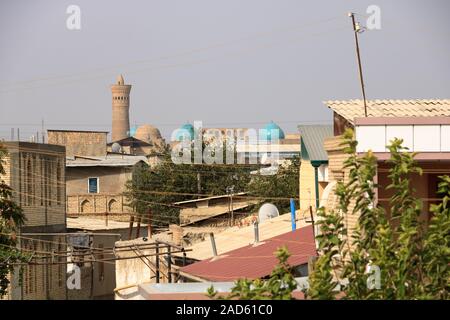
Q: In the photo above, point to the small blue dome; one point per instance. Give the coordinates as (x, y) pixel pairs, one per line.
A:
(133, 131)
(267, 131)
(185, 130)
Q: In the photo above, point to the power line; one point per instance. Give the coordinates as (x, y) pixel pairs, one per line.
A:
(180, 54)
(191, 63)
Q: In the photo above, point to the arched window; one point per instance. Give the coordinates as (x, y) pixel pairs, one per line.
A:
(113, 206)
(85, 206)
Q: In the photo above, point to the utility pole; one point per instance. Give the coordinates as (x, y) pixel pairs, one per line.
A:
(230, 191)
(356, 29)
(149, 223)
(199, 185)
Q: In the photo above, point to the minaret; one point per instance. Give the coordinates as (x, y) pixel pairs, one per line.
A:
(120, 109)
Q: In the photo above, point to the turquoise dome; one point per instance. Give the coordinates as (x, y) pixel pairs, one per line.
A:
(185, 130)
(267, 131)
(133, 131)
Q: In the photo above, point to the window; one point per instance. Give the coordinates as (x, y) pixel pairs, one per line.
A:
(93, 185)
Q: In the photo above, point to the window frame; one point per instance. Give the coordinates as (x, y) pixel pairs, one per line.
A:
(88, 185)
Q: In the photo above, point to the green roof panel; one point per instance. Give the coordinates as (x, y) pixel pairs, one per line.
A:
(312, 137)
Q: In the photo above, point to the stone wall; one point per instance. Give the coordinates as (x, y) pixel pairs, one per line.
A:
(81, 143)
(97, 204)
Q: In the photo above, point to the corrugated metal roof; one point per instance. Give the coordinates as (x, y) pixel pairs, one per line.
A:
(351, 109)
(256, 261)
(313, 137)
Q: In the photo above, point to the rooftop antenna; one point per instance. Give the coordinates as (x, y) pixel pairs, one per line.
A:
(357, 29)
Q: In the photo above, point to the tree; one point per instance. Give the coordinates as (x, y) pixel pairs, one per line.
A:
(11, 218)
(412, 259)
(279, 286)
(283, 184)
(159, 187)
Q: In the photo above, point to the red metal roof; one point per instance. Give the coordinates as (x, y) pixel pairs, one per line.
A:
(256, 261)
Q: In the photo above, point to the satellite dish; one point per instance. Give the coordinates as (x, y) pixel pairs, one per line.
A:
(267, 211)
(116, 148)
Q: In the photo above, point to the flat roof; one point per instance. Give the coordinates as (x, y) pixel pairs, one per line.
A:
(95, 224)
(33, 147)
(106, 161)
(87, 131)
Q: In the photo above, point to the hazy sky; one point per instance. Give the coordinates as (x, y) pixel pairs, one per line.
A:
(235, 63)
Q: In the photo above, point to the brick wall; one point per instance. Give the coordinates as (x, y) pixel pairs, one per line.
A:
(40, 282)
(36, 173)
(83, 143)
(336, 172)
(307, 186)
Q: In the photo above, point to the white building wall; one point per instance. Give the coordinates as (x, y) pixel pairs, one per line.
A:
(417, 138)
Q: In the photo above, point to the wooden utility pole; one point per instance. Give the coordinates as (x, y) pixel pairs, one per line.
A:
(356, 29)
(312, 220)
(157, 262)
(131, 226)
(199, 185)
(232, 211)
(138, 227)
(149, 223)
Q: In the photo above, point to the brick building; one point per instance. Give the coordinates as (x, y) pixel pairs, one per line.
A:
(423, 125)
(95, 185)
(36, 174)
(77, 142)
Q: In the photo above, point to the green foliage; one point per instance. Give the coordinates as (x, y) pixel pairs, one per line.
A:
(279, 286)
(437, 247)
(413, 259)
(283, 184)
(158, 187)
(11, 218)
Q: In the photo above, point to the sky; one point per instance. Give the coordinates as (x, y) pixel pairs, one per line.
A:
(227, 63)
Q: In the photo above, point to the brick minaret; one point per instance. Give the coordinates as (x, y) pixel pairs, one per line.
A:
(120, 109)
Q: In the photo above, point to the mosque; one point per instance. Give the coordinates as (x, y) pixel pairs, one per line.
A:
(146, 139)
